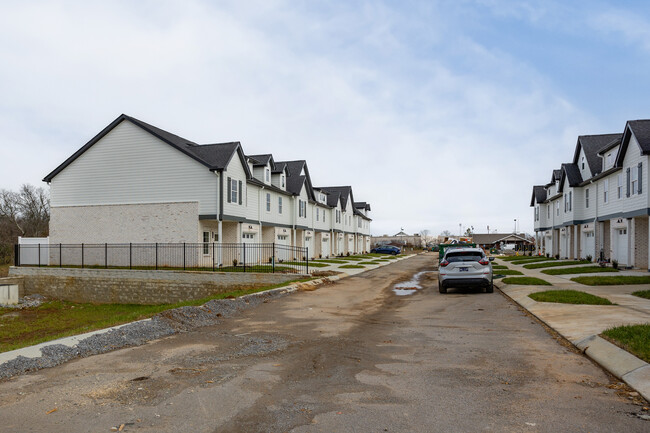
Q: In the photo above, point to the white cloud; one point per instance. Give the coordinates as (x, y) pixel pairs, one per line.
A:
(429, 126)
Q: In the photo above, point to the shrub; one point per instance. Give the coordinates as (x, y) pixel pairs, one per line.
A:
(589, 257)
(615, 264)
(557, 257)
(234, 262)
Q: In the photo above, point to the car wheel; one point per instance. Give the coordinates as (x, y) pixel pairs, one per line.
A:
(490, 288)
(441, 289)
(394, 253)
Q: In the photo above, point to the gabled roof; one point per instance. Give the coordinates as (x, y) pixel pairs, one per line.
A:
(295, 178)
(493, 238)
(591, 145)
(213, 156)
(539, 194)
(570, 173)
(261, 159)
(342, 192)
(641, 131)
(279, 167)
(361, 205)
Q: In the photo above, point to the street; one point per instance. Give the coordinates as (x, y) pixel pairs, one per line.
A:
(351, 356)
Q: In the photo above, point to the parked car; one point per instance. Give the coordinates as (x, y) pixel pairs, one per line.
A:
(465, 267)
(386, 249)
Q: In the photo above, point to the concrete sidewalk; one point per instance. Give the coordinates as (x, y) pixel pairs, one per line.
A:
(582, 324)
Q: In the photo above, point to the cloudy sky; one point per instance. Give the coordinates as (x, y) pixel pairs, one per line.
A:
(438, 113)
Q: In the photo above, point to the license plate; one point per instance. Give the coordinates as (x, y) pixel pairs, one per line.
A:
(463, 269)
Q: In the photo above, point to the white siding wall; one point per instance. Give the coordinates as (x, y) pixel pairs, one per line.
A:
(131, 166)
(237, 173)
(585, 172)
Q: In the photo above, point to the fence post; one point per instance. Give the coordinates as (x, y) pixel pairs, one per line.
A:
(130, 255)
(156, 255)
(106, 255)
(39, 255)
(82, 255)
(244, 245)
(60, 255)
(213, 257)
(273, 258)
(307, 257)
(17, 255)
(183, 255)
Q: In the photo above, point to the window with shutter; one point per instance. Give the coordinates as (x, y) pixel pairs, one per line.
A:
(229, 190)
(627, 173)
(240, 191)
(640, 176)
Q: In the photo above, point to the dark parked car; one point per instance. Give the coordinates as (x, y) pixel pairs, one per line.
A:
(386, 249)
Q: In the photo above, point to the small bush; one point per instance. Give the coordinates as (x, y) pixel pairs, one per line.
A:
(589, 258)
(615, 264)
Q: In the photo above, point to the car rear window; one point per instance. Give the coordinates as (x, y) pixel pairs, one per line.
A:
(464, 256)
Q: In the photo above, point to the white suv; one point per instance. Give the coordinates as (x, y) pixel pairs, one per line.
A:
(465, 267)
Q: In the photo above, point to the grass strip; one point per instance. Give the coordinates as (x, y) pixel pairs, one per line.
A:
(329, 261)
(569, 297)
(633, 338)
(56, 319)
(529, 260)
(499, 267)
(511, 258)
(507, 272)
(557, 263)
(578, 270)
(352, 267)
(612, 280)
(642, 294)
(370, 263)
(526, 281)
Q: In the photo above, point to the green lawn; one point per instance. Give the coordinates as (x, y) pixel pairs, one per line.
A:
(507, 272)
(642, 294)
(511, 258)
(529, 260)
(499, 267)
(527, 281)
(370, 263)
(612, 280)
(351, 267)
(57, 319)
(329, 261)
(569, 297)
(578, 270)
(556, 263)
(633, 338)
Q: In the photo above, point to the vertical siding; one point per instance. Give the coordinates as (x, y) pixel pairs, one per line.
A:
(130, 166)
(237, 173)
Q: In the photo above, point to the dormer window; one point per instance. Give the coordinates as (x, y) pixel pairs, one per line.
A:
(268, 175)
(583, 162)
(609, 160)
(282, 179)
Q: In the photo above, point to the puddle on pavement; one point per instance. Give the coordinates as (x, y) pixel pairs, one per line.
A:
(409, 287)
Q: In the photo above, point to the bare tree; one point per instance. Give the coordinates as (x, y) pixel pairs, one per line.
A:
(24, 213)
(446, 233)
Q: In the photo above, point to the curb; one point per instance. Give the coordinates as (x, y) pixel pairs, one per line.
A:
(633, 371)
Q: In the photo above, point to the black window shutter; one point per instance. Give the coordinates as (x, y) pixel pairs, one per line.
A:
(640, 177)
(627, 172)
(229, 194)
(240, 192)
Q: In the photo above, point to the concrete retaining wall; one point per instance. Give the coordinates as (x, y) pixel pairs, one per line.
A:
(14, 280)
(120, 286)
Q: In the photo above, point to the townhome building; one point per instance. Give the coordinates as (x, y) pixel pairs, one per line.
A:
(136, 183)
(597, 206)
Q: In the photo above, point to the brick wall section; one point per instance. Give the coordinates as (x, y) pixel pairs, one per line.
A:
(12, 281)
(641, 243)
(107, 286)
(157, 222)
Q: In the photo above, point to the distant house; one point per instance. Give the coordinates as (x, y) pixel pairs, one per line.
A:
(399, 239)
(501, 240)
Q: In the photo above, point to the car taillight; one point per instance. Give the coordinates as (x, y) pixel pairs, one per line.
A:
(484, 261)
(444, 263)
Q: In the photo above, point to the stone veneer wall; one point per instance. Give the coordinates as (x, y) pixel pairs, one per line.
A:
(107, 286)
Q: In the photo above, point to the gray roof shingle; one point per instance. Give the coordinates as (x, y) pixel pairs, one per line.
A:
(591, 145)
(641, 130)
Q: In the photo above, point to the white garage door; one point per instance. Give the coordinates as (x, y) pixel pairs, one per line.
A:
(621, 246)
(325, 247)
(589, 244)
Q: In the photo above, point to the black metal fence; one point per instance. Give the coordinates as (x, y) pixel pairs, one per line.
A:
(222, 257)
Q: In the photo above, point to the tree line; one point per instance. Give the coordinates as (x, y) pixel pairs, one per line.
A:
(26, 213)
